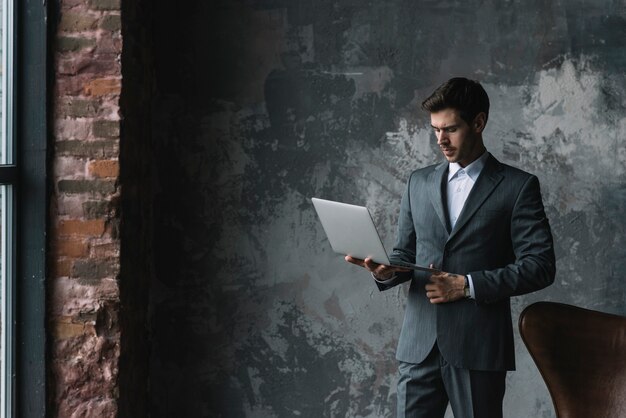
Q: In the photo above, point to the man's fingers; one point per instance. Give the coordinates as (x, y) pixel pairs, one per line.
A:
(434, 293)
(356, 261)
(370, 264)
(436, 277)
(379, 270)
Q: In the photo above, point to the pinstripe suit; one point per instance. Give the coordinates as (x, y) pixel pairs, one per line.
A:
(502, 238)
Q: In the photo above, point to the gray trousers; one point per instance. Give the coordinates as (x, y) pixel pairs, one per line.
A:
(425, 389)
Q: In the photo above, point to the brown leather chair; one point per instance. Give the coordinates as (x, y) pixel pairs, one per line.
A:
(581, 355)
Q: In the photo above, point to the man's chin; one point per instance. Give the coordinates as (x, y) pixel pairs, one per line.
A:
(450, 156)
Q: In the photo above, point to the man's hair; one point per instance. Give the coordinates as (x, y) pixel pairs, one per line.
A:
(466, 96)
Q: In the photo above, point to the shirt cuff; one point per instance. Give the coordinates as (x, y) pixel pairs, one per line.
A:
(471, 286)
(383, 281)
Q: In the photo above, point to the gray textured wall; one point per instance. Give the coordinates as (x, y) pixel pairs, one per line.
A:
(262, 104)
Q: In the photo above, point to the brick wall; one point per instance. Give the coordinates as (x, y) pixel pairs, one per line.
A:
(84, 253)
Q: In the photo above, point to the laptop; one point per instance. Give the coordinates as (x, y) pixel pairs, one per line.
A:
(351, 231)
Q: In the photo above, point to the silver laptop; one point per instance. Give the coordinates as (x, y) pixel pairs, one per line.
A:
(351, 231)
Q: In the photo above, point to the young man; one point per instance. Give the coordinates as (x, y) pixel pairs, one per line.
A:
(483, 225)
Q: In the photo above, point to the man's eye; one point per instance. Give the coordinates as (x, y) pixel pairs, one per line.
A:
(451, 130)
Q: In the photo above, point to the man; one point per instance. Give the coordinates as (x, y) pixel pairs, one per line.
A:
(483, 225)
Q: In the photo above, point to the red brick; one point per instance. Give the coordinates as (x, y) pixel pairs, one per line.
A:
(61, 267)
(70, 44)
(111, 23)
(105, 250)
(109, 44)
(103, 87)
(77, 108)
(73, 4)
(85, 228)
(77, 22)
(105, 4)
(104, 168)
(73, 86)
(63, 329)
(70, 248)
(104, 64)
(69, 86)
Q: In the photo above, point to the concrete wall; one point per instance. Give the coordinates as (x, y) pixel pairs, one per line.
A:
(261, 104)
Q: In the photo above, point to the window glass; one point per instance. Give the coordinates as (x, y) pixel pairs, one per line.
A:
(7, 295)
(6, 221)
(5, 317)
(3, 294)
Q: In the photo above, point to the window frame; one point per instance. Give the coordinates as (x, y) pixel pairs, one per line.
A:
(26, 117)
(8, 179)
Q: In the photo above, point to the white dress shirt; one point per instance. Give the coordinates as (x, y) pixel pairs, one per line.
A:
(460, 183)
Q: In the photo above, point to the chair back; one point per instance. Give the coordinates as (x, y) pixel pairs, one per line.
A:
(581, 355)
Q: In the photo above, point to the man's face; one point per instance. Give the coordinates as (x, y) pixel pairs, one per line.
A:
(458, 141)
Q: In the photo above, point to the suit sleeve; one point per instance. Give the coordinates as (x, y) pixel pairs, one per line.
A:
(534, 265)
(404, 248)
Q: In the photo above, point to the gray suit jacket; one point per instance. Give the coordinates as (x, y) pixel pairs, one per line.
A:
(502, 238)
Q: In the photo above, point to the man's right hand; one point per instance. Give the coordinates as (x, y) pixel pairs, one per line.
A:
(380, 271)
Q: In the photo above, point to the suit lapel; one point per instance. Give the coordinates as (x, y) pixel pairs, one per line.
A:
(489, 178)
(436, 190)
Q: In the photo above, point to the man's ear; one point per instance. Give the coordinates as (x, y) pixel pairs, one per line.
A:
(479, 122)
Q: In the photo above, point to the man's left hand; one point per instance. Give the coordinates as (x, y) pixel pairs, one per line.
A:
(445, 287)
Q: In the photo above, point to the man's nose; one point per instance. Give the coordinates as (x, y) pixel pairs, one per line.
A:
(442, 138)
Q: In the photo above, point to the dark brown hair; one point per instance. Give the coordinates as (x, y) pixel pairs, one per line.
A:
(466, 96)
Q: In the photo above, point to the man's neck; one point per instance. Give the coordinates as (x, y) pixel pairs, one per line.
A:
(480, 150)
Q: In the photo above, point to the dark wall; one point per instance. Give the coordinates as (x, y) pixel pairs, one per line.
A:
(259, 105)
(136, 227)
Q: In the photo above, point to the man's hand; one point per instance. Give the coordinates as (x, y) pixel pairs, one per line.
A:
(381, 271)
(445, 287)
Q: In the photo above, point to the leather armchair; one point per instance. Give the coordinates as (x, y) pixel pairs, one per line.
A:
(581, 355)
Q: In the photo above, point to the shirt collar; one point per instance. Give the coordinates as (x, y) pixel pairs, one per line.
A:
(473, 170)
